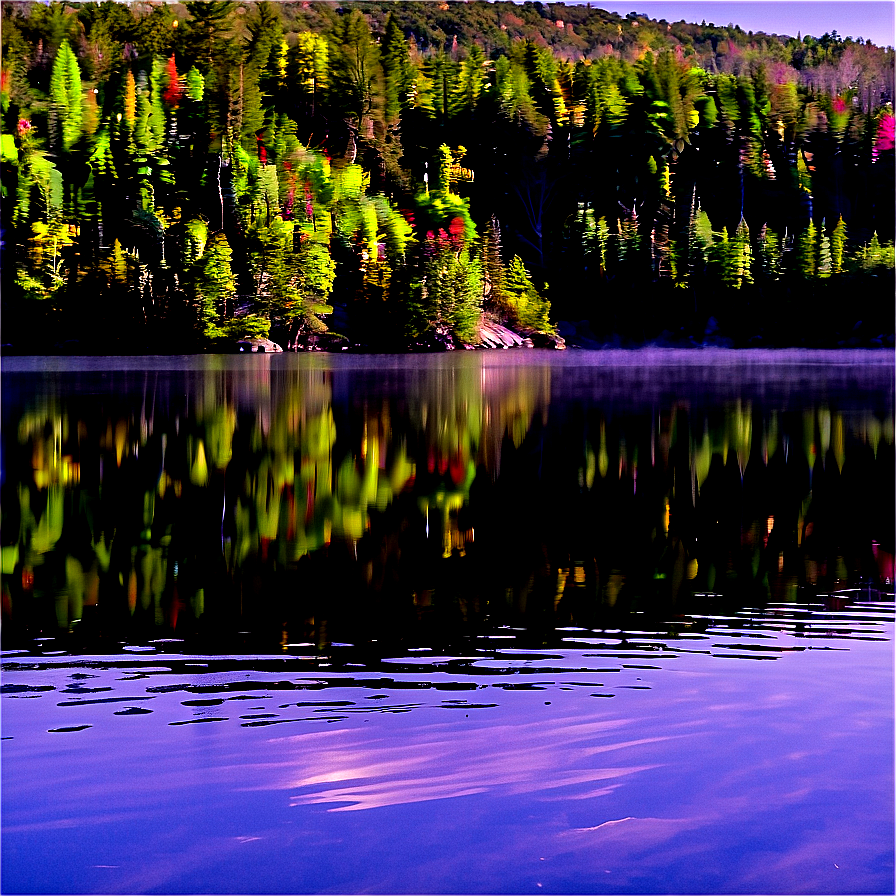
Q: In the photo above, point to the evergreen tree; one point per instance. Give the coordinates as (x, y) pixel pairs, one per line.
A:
(308, 72)
(838, 241)
(398, 76)
(214, 287)
(494, 295)
(265, 50)
(353, 67)
(208, 31)
(530, 310)
(66, 110)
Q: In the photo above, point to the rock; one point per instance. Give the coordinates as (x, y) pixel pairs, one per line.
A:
(256, 345)
(320, 341)
(494, 335)
(547, 340)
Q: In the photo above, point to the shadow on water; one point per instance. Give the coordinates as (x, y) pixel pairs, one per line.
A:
(363, 507)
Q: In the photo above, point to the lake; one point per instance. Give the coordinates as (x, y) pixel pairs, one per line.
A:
(479, 622)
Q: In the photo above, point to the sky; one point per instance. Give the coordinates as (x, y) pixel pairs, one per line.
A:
(870, 19)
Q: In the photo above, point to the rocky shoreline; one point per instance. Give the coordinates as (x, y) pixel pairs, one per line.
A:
(575, 335)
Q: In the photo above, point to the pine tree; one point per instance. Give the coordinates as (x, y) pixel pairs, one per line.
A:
(531, 311)
(398, 75)
(442, 185)
(770, 254)
(838, 242)
(471, 80)
(805, 252)
(215, 287)
(129, 101)
(208, 31)
(195, 85)
(743, 255)
(264, 51)
(493, 267)
(353, 66)
(65, 99)
(307, 71)
(823, 259)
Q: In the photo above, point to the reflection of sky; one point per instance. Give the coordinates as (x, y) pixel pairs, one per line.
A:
(705, 772)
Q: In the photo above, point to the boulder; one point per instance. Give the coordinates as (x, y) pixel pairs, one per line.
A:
(494, 335)
(256, 344)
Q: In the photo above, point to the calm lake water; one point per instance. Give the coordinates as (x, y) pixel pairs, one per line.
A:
(498, 622)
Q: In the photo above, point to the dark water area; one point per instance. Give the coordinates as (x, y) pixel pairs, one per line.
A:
(653, 588)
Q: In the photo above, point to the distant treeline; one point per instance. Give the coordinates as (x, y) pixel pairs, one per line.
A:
(177, 176)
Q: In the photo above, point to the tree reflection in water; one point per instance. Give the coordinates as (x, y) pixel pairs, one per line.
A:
(246, 508)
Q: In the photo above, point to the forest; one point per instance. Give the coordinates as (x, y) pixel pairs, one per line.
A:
(396, 176)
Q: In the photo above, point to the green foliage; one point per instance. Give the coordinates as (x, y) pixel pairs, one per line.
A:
(454, 288)
(353, 65)
(265, 52)
(804, 254)
(445, 211)
(529, 308)
(308, 69)
(214, 286)
(838, 242)
(393, 227)
(195, 85)
(442, 185)
(8, 150)
(208, 30)
(293, 273)
(770, 254)
(873, 257)
(398, 78)
(65, 99)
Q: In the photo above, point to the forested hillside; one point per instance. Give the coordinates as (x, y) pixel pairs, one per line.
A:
(389, 175)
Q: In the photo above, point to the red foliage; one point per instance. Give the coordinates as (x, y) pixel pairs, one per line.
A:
(886, 134)
(173, 91)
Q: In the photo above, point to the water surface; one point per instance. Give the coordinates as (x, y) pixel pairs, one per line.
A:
(612, 622)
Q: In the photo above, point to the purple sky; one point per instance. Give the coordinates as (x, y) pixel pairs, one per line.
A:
(871, 19)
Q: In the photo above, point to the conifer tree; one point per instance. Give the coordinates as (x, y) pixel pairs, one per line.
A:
(65, 99)
(805, 252)
(823, 259)
(471, 80)
(208, 31)
(530, 309)
(129, 102)
(770, 254)
(215, 287)
(743, 254)
(838, 242)
(264, 50)
(353, 66)
(398, 77)
(493, 267)
(307, 70)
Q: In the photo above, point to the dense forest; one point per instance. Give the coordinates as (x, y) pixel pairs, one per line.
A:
(396, 175)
